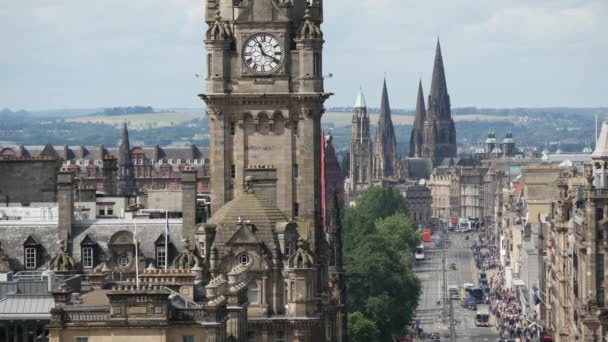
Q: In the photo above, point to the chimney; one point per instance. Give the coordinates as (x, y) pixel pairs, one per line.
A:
(156, 153)
(82, 150)
(22, 152)
(109, 171)
(66, 150)
(189, 219)
(65, 202)
(101, 152)
(263, 181)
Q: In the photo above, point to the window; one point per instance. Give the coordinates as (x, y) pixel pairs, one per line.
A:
(232, 171)
(296, 210)
(31, 258)
(201, 249)
(286, 294)
(81, 339)
(209, 65)
(87, 257)
(252, 293)
(123, 261)
(160, 256)
(102, 212)
(232, 128)
(280, 337)
(188, 338)
(244, 259)
(295, 171)
(316, 61)
(109, 211)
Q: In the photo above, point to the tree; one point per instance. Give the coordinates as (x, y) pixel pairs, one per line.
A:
(377, 202)
(361, 329)
(379, 240)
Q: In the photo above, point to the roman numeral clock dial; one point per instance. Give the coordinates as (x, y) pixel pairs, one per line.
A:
(262, 53)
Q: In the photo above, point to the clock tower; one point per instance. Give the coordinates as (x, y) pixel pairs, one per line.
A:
(265, 99)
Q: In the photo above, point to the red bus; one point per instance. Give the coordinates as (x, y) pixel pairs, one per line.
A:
(427, 236)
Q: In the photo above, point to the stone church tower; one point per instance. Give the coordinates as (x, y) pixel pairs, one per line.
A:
(417, 136)
(439, 129)
(126, 171)
(360, 148)
(265, 99)
(385, 143)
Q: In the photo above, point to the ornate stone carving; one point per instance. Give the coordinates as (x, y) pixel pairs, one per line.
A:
(62, 261)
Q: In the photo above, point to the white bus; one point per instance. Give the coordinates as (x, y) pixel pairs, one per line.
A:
(419, 253)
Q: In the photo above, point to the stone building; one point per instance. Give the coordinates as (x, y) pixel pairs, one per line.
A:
(361, 161)
(495, 149)
(435, 125)
(154, 168)
(419, 203)
(386, 160)
(417, 135)
(265, 97)
(442, 190)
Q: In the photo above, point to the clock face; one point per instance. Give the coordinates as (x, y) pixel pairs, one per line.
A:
(262, 53)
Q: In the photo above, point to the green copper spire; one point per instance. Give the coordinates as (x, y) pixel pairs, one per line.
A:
(360, 100)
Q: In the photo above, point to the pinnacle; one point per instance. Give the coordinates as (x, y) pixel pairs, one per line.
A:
(360, 102)
(385, 108)
(420, 108)
(438, 83)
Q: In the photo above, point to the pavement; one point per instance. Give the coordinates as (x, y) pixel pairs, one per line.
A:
(429, 270)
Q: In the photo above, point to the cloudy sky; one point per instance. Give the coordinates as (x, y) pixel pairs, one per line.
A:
(497, 53)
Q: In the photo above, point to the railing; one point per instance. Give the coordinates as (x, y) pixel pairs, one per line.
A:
(86, 314)
(187, 315)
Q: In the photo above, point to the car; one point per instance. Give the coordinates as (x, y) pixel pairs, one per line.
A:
(454, 292)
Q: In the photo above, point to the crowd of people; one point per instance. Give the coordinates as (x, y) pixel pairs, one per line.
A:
(511, 320)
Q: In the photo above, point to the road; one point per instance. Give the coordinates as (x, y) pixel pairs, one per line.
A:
(430, 308)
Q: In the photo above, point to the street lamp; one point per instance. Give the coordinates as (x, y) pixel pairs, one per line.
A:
(166, 230)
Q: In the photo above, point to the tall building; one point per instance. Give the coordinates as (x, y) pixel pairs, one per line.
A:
(126, 170)
(265, 99)
(360, 148)
(417, 136)
(385, 143)
(439, 129)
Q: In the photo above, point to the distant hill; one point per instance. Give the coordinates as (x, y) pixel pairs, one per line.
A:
(139, 121)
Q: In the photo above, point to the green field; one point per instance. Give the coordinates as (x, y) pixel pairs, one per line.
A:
(140, 121)
(345, 119)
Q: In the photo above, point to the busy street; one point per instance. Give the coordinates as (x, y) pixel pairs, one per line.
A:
(452, 321)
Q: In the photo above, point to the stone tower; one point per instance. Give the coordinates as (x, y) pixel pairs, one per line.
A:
(385, 143)
(265, 99)
(439, 129)
(360, 148)
(417, 136)
(126, 172)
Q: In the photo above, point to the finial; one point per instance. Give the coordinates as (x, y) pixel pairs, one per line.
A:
(307, 15)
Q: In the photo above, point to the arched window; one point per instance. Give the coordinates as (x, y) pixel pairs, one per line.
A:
(253, 293)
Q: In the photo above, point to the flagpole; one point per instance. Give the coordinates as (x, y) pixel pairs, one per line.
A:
(136, 255)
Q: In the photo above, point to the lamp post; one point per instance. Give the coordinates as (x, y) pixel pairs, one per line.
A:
(136, 255)
(166, 230)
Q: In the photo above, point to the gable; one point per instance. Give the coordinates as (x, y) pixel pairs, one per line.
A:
(243, 236)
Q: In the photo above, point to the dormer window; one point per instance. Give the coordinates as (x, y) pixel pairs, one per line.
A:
(31, 253)
(88, 251)
(244, 259)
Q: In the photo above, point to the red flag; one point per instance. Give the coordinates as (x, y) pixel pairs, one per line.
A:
(323, 196)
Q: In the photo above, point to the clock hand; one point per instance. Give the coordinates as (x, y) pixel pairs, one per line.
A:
(262, 50)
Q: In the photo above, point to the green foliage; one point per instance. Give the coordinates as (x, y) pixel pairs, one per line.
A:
(361, 329)
(379, 240)
(377, 202)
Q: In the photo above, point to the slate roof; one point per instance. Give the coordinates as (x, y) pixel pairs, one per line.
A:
(247, 207)
(26, 307)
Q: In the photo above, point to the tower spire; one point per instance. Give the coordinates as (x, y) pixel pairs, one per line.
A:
(439, 88)
(417, 136)
(126, 170)
(385, 147)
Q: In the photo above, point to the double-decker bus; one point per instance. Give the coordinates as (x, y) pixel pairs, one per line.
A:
(427, 236)
(419, 253)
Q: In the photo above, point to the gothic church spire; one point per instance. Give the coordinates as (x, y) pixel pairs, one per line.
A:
(385, 143)
(417, 136)
(439, 99)
(126, 170)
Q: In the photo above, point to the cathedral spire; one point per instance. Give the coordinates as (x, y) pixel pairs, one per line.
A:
(385, 144)
(439, 88)
(385, 108)
(417, 136)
